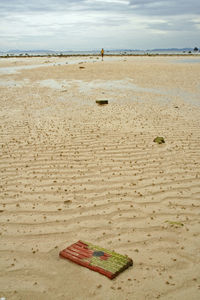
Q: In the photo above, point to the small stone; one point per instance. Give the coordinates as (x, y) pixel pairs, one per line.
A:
(159, 140)
(67, 201)
(102, 102)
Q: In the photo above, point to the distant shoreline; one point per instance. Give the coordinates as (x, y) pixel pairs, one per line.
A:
(98, 55)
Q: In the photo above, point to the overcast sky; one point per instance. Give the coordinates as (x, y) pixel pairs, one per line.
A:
(93, 24)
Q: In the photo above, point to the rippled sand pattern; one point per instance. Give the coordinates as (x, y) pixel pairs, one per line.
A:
(73, 170)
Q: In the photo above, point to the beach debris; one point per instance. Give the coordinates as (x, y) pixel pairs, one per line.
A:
(102, 102)
(103, 261)
(67, 201)
(173, 223)
(159, 140)
(81, 67)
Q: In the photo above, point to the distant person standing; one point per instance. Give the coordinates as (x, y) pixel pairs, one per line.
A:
(102, 53)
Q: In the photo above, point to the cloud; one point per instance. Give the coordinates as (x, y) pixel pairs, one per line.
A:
(88, 24)
(174, 25)
(166, 7)
(37, 6)
(145, 7)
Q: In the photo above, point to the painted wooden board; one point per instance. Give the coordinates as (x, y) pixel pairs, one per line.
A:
(106, 262)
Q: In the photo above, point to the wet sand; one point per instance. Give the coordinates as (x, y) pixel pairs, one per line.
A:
(71, 170)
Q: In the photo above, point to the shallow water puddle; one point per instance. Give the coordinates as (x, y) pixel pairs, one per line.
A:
(127, 84)
(13, 83)
(51, 83)
(70, 61)
(187, 61)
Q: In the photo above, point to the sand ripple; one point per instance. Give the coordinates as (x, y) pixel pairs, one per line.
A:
(73, 170)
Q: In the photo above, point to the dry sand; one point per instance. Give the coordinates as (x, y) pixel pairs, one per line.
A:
(71, 170)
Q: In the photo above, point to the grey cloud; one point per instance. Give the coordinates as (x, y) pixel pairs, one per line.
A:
(174, 25)
(20, 6)
(165, 7)
(112, 21)
(142, 7)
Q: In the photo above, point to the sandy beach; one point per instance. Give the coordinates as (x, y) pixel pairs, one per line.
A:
(73, 170)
